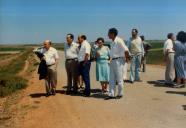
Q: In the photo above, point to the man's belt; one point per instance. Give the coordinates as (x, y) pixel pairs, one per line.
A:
(50, 65)
(117, 58)
(73, 59)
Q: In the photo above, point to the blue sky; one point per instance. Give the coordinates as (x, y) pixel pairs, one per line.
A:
(32, 21)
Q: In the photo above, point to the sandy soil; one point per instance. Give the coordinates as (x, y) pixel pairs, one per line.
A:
(145, 105)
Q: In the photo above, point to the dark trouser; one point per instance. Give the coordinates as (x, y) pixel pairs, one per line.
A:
(84, 70)
(72, 74)
(143, 63)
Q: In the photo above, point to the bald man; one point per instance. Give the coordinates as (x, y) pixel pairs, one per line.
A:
(51, 57)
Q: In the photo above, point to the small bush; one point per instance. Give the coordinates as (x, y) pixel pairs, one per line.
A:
(9, 85)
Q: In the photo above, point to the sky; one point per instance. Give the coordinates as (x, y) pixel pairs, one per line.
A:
(32, 21)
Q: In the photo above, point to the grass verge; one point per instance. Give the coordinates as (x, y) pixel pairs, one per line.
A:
(9, 80)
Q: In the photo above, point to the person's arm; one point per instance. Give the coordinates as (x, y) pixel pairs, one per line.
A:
(126, 51)
(87, 53)
(127, 56)
(86, 58)
(56, 59)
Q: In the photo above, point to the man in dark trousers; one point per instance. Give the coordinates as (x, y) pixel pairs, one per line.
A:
(84, 62)
(147, 46)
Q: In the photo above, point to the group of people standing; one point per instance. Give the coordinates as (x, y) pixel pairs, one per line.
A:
(175, 58)
(111, 63)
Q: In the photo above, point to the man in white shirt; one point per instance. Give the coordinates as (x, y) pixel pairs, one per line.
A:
(71, 63)
(119, 55)
(84, 62)
(169, 58)
(137, 52)
(51, 57)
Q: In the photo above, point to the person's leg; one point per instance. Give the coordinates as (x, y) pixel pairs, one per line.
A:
(172, 69)
(105, 86)
(184, 81)
(137, 67)
(144, 63)
(168, 70)
(86, 77)
(125, 71)
(178, 80)
(75, 76)
(119, 76)
(112, 81)
(102, 86)
(53, 79)
(80, 79)
(48, 82)
(132, 69)
(69, 76)
(47, 86)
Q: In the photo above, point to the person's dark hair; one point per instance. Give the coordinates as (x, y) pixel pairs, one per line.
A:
(170, 35)
(113, 31)
(71, 36)
(100, 38)
(142, 38)
(181, 36)
(83, 37)
(135, 30)
(50, 42)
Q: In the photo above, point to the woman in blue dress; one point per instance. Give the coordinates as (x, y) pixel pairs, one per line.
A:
(180, 58)
(102, 64)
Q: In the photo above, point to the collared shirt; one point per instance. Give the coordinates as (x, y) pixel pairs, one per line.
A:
(71, 51)
(85, 49)
(136, 46)
(168, 45)
(118, 48)
(50, 55)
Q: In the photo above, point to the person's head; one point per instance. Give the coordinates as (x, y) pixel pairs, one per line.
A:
(47, 44)
(142, 38)
(100, 41)
(112, 33)
(70, 38)
(134, 33)
(171, 36)
(181, 36)
(81, 38)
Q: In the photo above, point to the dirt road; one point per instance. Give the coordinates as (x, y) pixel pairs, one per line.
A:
(144, 105)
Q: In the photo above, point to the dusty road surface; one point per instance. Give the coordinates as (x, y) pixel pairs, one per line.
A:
(145, 105)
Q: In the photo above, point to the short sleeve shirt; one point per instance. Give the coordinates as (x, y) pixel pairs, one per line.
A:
(71, 51)
(85, 49)
(50, 55)
(168, 45)
(118, 48)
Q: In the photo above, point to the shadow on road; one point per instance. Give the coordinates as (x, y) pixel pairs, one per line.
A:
(97, 93)
(184, 107)
(37, 95)
(60, 91)
(160, 83)
(176, 92)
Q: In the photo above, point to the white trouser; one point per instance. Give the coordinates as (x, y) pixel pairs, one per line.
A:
(125, 68)
(116, 75)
